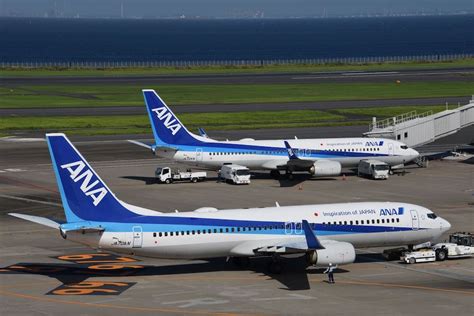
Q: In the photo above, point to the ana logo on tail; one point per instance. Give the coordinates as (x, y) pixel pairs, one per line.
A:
(169, 121)
(75, 170)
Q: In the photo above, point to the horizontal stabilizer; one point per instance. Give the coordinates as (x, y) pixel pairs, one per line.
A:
(36, 219)
(136, 142)
(85, 227)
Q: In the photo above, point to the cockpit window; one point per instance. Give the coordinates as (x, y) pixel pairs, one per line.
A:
(431, 215)
(404, 147)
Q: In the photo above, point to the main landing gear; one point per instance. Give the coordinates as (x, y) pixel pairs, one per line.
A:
(275, 174)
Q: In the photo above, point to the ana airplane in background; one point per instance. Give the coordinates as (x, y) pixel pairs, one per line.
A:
(326, 233)
(319, 156)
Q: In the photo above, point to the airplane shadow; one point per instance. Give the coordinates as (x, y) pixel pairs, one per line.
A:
(152, 180)
(286, 182)
(369, 257)
(293, 278)
(147, 180)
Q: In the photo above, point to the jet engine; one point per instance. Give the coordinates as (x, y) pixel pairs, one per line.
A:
(335, 252)
(325, 168)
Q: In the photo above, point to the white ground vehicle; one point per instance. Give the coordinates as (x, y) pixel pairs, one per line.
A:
(460, 245)
(236, 174)
(423, 255)
(167, 175)
(373, 169)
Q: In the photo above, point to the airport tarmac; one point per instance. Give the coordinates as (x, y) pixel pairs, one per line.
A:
(41, 273)
(448, 74)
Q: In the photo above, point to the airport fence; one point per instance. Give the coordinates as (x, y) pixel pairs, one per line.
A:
(229, 63)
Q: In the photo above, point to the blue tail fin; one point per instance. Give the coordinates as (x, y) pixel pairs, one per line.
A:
(167, 128)
(84, 195)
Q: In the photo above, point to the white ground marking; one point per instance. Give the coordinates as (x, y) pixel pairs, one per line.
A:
(14, 139)
(14, 170)
(29, 200)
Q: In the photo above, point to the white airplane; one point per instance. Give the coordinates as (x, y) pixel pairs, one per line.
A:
(318, 156)
(326, 233)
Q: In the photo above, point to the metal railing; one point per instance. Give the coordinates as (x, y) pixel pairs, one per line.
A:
(76, 62)
(392, 121)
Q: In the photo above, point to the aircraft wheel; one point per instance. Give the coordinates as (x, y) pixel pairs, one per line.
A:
(441, 254)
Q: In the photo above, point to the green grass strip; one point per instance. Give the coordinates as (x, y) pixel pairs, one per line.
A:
(130, 95)
(140, 123)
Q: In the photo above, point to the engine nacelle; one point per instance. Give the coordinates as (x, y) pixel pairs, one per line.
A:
(325, 168)
(335, 253)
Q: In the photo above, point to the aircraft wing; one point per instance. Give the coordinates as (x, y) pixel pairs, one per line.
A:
(285, 245)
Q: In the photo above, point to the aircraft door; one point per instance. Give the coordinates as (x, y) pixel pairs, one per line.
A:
(137, 236)
(288, 228)
(415, 221)
(390, 149)
(198, 154)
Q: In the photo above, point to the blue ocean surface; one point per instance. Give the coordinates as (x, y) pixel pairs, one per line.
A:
(36, 39)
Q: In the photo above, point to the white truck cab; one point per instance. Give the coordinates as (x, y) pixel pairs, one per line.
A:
(236, 174)
(168, 175)
(373, 169)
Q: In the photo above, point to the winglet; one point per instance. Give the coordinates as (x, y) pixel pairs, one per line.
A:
(202, 132)
(311, 239)
(291, 151)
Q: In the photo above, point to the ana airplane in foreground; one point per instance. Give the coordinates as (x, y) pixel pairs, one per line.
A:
(320, 157)
(326, 233)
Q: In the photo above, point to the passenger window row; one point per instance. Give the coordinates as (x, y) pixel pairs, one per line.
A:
(246, 153)
(308, 151)
(356, 149)
(297, 226)
(365, 222)
(218, 230)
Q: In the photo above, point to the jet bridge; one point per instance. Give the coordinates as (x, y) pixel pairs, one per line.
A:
(418, 129)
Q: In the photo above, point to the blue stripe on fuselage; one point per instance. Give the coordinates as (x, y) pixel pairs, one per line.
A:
(273, 151)
(178, 224)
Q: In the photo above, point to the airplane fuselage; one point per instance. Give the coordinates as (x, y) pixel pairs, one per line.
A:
(268, 154)
(219, 233)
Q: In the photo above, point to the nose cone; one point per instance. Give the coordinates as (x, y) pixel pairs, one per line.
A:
(445, 225)
(415, 154)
